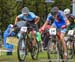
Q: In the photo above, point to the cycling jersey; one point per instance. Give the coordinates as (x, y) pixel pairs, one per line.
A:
(72, 23)
(59, 21)
(30, 17)
(71, 18)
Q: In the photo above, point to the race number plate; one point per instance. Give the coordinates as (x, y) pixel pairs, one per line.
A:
(23, 29)
(52, 31)
(70, 32)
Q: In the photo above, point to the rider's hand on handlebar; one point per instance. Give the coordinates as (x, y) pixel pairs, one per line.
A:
(41, 29)
(64, 26)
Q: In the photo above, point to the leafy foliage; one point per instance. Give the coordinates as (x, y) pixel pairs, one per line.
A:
(9, 9)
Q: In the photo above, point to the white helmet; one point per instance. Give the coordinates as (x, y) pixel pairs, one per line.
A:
(67, 11)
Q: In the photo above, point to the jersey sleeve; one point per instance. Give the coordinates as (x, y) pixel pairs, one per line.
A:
(49, 17)
(20, 16)
(33, 15)
(62, 16)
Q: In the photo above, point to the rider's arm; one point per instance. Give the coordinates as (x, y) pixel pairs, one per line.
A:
(64, 18)
(37, 19)
(67, 22)
(34, 17)
(48, 20)
(17, 19)
(45, 24)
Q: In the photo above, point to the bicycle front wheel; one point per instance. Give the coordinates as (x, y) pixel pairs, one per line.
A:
(21, 50)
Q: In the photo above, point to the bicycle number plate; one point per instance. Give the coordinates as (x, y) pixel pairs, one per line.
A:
(70, 32)
(23, 29)
(52, 31)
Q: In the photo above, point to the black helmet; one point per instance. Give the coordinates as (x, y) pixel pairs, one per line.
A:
(25, 10)
(54, 11)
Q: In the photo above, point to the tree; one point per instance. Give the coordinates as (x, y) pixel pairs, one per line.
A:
(9, 9)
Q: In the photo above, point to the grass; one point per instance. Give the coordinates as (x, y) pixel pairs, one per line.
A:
(13, 58)
(42, 58)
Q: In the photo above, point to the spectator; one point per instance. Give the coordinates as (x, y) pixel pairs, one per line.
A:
(7, 33)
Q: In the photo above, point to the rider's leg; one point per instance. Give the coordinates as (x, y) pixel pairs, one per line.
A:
(34, 39)
(35, 27)
(63, 42)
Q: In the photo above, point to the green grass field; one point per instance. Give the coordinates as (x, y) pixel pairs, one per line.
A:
(41, 58)
(13, 58)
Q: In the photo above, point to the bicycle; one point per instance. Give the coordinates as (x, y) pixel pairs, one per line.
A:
(25, 42)
(71, 43)
(54, 37)
(45, 35)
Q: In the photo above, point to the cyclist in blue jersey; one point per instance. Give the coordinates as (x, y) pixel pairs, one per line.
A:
(31, 18)
(60, 21)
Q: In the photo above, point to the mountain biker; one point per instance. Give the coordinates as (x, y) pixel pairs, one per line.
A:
(30, 17)
(71, 18)
(60, 22)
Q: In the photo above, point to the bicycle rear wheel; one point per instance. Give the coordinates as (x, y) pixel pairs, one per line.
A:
(70, 50)
(61, 52)
(35, 52)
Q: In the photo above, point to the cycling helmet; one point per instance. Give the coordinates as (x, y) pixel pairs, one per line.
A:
(54, 11)
(67, 11)
(25, 10)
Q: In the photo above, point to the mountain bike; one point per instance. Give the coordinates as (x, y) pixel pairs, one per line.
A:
(25, 41)
(70, 43)
(54, 37)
